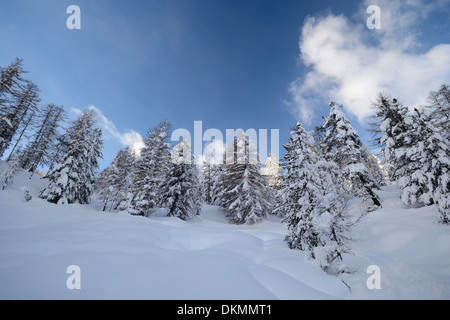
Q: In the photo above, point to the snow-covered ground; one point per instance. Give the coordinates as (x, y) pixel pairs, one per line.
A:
(126, 257)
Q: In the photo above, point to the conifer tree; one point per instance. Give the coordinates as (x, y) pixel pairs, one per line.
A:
(208, 178)
(425, 174)
(112, 183)
(18, 99)
(343, 146)
(72, 180)
(298, 197)
(218, 184)
(245, 197)
(181, 190)
(150, 171)
(42, 143)
(272, 172)
(388, 126)
(7, 175)
(313, 203)
(439, 106)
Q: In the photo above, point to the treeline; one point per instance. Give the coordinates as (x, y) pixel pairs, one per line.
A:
(415, 147)
(29, 131)
(36, 138)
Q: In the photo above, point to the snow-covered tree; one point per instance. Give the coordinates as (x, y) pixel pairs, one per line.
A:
(246, 197)
(124, 164)
(332, 219)
(313, 203)
(442, 195)
(439, 105)
(412, 178)
(72, 180)
(272, 172)
(218, 184)
(18, 99)
(343, 146)
(150, 171)
(112, 183)
(42, 143)
(61, 146)
(376, 170)
(298, 196)
(11, 78)
(7, 175)
(181, 190)
(26, 194)
(388, 128)
(426, 153)
(415, 146)
(208, 178)
(28, 121)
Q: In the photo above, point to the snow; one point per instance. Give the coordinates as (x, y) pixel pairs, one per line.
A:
(8, 122)
(129, 257)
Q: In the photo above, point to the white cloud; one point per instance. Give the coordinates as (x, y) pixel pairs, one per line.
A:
(76, 111)
(350, 64)
(130, 139)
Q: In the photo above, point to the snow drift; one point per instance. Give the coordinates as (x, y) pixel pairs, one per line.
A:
(126, 257)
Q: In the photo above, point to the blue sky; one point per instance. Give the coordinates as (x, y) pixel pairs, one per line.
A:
(229, 63)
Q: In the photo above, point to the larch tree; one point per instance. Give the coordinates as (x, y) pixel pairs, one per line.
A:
(39, 151)
(18, 99)
(439, 105)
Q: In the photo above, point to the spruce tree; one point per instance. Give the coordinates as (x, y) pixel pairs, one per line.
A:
(388, 127)
(208, 178)
(112, 183)
(272, 172)
(313, 203)
(375, 169)
(218, 184)
(72, 180)
(412, 175)
(245, 197)
(104, 190)
(7, 175)
(150, 171)
(332, 219)
(343, 146)
(425, 175)
(181, 190)
(298, 196)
